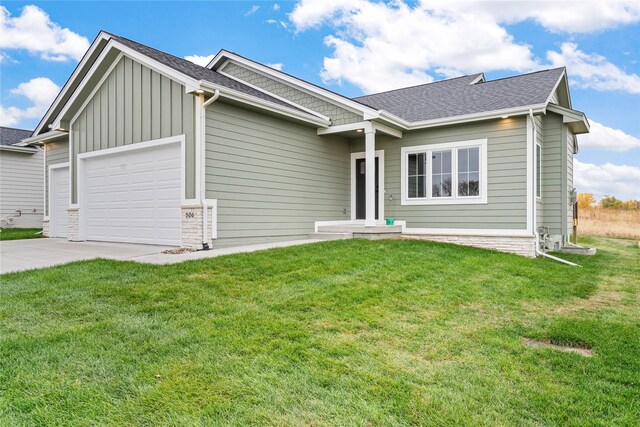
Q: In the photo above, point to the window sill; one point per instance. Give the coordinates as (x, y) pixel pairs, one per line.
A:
(427, 202)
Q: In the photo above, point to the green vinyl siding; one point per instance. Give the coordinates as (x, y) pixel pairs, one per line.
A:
(569, 174)
(540, 140)
(338, 116)
(552, 173)
(272, 178)
(56, 153)
(507, 192)
(135, 104)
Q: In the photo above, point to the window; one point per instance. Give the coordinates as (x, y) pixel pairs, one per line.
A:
(417, 175)
(468, 172)
(450, 173)
(538, 170)
(441, 173)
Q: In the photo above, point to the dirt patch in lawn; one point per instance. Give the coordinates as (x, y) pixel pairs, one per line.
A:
(178, 251)
(581, 349)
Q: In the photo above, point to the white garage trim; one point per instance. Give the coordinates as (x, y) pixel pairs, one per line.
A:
(179, 139)
(51, 195)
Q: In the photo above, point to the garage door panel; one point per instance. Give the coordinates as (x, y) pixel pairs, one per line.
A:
(136, 196)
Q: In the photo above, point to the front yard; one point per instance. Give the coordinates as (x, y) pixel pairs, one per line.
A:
(20, 233)
(336, 333)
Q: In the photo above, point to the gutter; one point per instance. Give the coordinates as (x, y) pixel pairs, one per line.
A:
(42, 138)
(203, 190)
(17, 149)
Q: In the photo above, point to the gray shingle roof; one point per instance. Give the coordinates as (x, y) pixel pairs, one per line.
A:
(198, 72)
(457, 97)
(10, 136)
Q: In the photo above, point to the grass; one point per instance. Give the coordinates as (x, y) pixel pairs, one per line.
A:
(355, 332)
(618, 223)
(20, 233)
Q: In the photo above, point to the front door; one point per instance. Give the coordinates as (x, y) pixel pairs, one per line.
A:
(361, 192)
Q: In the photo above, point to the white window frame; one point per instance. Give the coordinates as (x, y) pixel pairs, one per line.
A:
(454, 199)
(538, 175)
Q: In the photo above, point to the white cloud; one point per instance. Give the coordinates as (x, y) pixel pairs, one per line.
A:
(276, 7)
(602, 137)
(271, 21)
(253, 10)
(39, 91)
(34, 31)
(566, 16)
(278, 66)
(200, 59)
(372, 48)
(592, 70)
(621, 181)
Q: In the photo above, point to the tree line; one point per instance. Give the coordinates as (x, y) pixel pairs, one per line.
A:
(587, 201)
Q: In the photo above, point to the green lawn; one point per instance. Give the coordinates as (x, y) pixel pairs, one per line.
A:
(20, 233)
(337, 333)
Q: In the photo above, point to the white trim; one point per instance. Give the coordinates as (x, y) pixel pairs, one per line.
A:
(45, 189)
(17, 149)
(468, 232)
(51, 195)
(273, 95)
(42, 139)
(530, 146)
(480, 78)
(361, 155)
(482, 144)
(353, 222)
(306, 87)
(386, 129)
(538, 177)
(181, 139)
(101, 36)
(342, 128)
(213, 203)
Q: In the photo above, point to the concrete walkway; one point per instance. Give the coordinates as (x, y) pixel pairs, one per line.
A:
(20, 255)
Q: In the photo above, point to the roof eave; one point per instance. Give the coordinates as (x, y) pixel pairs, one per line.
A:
(18, 149)
(575, 119)
(42, 138)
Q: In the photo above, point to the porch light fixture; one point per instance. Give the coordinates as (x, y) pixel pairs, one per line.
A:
(359, 131)
(199, 91)
(504, 117)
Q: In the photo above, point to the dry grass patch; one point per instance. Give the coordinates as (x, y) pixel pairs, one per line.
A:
(618, 223)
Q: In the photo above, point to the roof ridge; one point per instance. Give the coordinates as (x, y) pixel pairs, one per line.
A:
(546, 70)
(419, 85)
(9, 127)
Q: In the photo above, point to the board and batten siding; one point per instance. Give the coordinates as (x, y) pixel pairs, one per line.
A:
(540, 140)
(506, 162)
(21, 187)
(338, 116)
(136, 104)
(272, 178)
(552, 173)
(57, 152)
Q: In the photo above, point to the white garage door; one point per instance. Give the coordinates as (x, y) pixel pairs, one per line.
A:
(134, 196)
(59, 201)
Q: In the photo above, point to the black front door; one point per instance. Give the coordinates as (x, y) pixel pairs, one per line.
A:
(361, 192)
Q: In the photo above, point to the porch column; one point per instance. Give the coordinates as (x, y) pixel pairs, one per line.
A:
(370, 175)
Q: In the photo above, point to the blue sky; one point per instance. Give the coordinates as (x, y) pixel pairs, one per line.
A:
(355, 47)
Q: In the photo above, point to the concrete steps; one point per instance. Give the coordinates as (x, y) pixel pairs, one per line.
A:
(330, 236)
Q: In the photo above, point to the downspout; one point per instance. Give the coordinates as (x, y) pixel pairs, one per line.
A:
(203, 175)
(535, 200)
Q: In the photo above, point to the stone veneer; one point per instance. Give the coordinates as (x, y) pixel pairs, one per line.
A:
(191, 224)
(519, 245)
(45, 227)
(73, 225)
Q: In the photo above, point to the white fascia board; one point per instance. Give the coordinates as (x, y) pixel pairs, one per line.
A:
(555, 87)
(571, 116)
(342, 128)
(309, 88)
(138, 57)
(74, 75)
(18, 149)
(41, 139)
(260, 103)
(496, 114)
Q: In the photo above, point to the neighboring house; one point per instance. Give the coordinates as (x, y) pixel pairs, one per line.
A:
(21, 181)
(145, 147)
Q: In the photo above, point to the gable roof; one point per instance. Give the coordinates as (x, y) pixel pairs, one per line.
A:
(10, 136)
(460, 96)
(196, 71)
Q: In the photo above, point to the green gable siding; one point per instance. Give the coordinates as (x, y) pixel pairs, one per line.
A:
(338, 116)
(570, 148)
(136, 104)
(272, 178)
(507, 189)
(56, 153)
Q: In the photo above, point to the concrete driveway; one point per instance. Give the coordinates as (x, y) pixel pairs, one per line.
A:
(19, 255)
